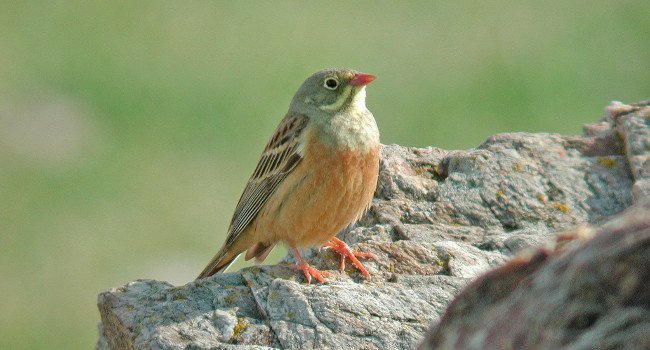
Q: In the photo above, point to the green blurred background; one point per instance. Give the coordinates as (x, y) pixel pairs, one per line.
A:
(128, 129)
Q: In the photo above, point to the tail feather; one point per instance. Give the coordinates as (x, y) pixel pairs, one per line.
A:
(219, 263)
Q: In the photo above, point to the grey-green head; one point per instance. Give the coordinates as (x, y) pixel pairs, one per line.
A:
(332, 91)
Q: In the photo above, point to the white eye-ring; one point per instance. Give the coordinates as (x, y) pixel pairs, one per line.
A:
(331, 83)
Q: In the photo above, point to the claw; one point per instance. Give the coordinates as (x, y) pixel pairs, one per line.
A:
(308, 270)
(340, 247)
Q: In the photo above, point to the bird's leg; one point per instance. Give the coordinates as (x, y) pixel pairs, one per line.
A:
(308, 270)
(340, 247)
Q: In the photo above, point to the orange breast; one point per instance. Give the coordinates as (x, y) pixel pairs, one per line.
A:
(327, 191)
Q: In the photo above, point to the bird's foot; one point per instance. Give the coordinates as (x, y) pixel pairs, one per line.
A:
(310, 271)
(346, 253)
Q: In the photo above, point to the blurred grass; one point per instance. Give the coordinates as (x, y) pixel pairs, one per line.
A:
(128, 129)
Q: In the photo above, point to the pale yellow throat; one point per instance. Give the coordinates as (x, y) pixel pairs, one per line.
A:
(353, 127)
(359, 101)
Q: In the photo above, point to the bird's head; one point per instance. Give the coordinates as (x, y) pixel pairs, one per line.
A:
(332, 91)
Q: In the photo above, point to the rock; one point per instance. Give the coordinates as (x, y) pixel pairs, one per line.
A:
(439, 219)
(589, 287)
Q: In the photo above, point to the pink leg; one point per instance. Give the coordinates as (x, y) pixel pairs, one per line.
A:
(340, 247)
(308, 270)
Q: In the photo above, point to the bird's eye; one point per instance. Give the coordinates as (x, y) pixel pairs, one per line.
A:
(331, 83)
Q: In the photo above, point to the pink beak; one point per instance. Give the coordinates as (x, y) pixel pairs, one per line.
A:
(361, 79)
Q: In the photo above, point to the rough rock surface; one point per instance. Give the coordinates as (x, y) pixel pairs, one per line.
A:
(439, 219)
(590, 288)
(587, 288)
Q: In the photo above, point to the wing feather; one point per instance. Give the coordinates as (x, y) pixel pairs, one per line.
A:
(280, 157)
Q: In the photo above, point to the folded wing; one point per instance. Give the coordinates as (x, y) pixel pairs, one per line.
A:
(281, 155)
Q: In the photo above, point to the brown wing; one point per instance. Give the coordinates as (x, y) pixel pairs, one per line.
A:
(280, 157)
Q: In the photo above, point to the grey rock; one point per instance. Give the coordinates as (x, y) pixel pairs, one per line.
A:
(586, 290)
(439, 219)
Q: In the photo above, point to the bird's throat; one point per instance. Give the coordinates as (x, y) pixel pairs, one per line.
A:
(352, 129)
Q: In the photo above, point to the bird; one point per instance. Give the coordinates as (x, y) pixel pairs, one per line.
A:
(316, 176)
